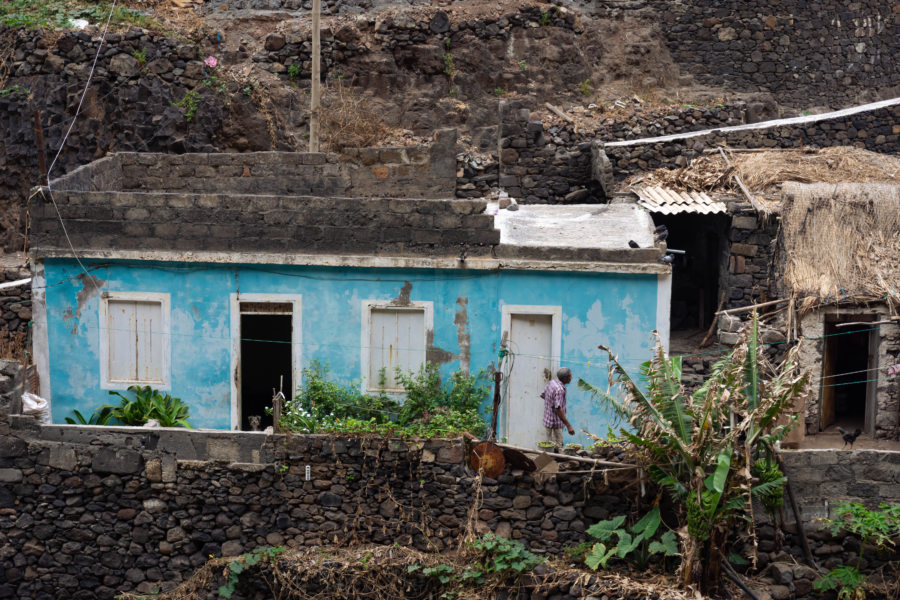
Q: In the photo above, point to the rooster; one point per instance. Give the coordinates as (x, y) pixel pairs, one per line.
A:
(849, 438)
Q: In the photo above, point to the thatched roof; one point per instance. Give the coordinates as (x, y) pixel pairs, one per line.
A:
(842, 241)
(764, 171)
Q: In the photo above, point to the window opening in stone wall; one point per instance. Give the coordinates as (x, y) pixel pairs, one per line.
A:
(134, 340)
(396, 341)
(266, 359)
(847, 398)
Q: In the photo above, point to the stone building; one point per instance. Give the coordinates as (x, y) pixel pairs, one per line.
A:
(220, 277)
(818, 260)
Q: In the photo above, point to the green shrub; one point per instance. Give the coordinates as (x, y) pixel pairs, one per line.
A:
(149, 404)
(429, 409)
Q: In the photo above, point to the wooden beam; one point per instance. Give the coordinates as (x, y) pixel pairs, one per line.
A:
(316, 92)
(751, 307)
(753, 201)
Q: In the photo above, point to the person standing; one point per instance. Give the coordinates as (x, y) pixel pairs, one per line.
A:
(554, 396)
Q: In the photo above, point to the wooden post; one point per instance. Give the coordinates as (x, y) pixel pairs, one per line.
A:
(316, 77)
(39, 140)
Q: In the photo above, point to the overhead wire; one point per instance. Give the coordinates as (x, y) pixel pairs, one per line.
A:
(65, 138)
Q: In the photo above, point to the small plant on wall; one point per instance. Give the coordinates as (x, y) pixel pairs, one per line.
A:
(145, 405)
(148, 404)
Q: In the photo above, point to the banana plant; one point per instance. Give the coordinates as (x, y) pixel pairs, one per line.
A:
(701, 447)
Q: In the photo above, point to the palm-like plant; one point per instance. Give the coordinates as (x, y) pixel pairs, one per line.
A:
(700, 447)
(149, 404)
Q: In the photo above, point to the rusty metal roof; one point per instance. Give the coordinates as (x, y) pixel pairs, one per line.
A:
(669, 202)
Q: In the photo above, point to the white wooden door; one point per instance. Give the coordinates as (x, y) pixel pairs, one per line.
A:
(530, 341)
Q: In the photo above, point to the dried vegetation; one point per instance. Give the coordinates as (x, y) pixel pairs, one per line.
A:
(842, 240)
(764, 172)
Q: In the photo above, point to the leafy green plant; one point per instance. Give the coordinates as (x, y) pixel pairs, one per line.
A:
(449, 69)
(700, 447)
(585, 88)
(14, 89)
(636, 543)
(189, 103)
(293, 72)
(500, 556)
(523, 66)
(147, 404)
(443, 573)
(545, 20)
(101, 416)
(875, 528)
(59, 14)
(140, 56)
(234, 568)
(430, 409)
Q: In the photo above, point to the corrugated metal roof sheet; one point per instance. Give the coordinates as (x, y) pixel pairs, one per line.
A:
(669, 202)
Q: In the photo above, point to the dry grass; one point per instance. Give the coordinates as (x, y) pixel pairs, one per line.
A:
(383, 573)
(14, 346)
(347, 119)
(764, 172)
(842, 241)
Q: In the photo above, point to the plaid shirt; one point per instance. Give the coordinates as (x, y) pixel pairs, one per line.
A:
(554, 396)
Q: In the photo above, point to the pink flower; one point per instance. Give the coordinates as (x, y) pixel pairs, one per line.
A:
(211, 62)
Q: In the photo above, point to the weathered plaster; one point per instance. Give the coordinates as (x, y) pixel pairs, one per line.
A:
(353, 260)
(617, 309)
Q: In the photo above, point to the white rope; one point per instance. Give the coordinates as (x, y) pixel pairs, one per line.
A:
(762, 125)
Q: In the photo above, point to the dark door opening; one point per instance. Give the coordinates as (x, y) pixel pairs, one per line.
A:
(845, 374)
(695, 274)
(265, 359)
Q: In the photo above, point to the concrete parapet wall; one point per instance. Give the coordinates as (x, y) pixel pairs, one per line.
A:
(822, 478)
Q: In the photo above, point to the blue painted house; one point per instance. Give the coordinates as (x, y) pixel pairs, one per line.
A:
(219, 277)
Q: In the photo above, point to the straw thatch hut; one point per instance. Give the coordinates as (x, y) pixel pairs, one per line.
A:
(799, 232)
(842, 268)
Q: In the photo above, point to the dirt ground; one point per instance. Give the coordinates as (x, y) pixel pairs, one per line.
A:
(830, 438)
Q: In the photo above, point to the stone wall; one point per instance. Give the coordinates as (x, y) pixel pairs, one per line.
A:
(824, 52)
(15, 302)
(93, 512)
(101, 515)
(828, 52)
(875, 130)
(12, 385)
(385, 172)
(251, 224)
(822, 478)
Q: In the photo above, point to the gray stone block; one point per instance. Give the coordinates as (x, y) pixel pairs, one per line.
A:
(117, 460)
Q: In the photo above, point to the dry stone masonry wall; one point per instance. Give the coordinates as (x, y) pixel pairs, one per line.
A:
(94, 512)
(93, 515)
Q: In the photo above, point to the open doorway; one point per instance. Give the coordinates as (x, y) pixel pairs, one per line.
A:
(695, 274)
(265, 355)
(847, 397)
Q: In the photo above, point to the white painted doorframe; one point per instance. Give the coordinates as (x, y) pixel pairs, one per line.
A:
(296, 347)
(506, 314)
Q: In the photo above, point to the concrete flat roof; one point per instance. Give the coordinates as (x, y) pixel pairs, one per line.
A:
(590, 226)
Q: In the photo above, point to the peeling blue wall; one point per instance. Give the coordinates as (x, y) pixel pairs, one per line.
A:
(618, 310)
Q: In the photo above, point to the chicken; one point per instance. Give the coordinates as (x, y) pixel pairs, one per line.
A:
(849, 438)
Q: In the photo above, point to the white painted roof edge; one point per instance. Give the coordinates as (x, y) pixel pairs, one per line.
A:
(474, 263)
(761, 125)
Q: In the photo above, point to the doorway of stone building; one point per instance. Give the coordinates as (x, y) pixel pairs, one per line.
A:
(265, 354)
(533, 336)
(847, 397)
